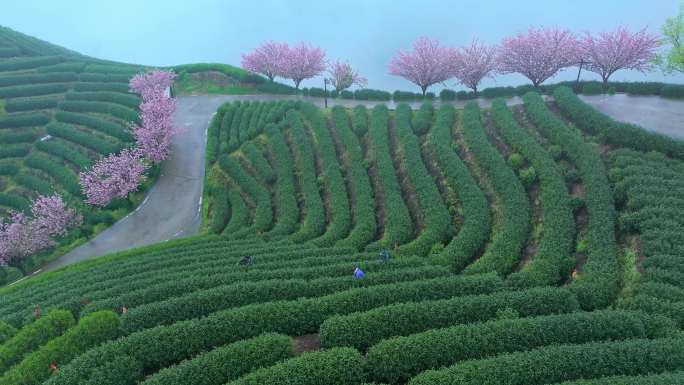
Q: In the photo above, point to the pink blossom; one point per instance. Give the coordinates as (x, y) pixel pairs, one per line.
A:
(539, 54)
(23, 235)
(343, 76)
(474, 63)
(152, 84)
(427, 64)
(302, 62)
(267, 59)
(113, 176)
(154, 135)
(618, 49)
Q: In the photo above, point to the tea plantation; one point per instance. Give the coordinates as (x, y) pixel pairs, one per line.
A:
(530, 244)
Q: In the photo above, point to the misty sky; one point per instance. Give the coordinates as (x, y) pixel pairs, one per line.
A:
(365, 33)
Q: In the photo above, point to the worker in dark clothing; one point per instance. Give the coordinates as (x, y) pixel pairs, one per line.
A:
(385, 255)
(246, 261)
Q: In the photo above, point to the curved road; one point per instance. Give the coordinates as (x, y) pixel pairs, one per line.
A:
(172, 206)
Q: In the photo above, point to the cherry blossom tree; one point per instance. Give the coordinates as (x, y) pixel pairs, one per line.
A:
(427, 64)
(538, 54)
(475, 62)
(343, 76)
(25, 235)
(302, 62)
(152, 84)
(267, 59)
(113, 176)
(619, 49)
(153, 137)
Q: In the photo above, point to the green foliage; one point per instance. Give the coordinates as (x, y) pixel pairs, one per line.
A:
(128, 100)
(30, 104)
(116, 110)
(31, 336)
(528, 177)
(592, 89)
(359, 120)
(61, 174)
(37, 78)
(369, 94)
(90, 331)
(286, 200)
(14, 150)
(599, 281)
(22, 136)
(258, 161)
(228, 362)
(507, 242)
(106, 127)
(564, 362)
(101, 87)
(33, 90)
(104, 77)
(423, 119)
(447, 95)
(61, 149)
(516, 161)
(364, 329)
(7, 331)
(23, 63)
(17, 202)
(398, 359)
(331, 367)
(477, 219)
(24, 120)
(84, 138)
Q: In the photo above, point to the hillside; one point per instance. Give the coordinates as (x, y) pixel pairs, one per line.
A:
(529, 244)
(59, 112)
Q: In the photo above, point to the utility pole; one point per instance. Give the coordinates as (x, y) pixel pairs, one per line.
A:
(578, 75)
(325, 92)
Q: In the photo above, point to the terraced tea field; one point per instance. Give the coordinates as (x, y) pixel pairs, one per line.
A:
(529, 244)
(59, 112)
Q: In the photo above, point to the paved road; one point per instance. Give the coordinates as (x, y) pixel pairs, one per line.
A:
(172, 206)
(653, 113)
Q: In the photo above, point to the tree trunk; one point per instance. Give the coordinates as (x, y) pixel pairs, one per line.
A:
(605, 84)
(296, 82)
(423, 88)
(271, 77)
(475, 91)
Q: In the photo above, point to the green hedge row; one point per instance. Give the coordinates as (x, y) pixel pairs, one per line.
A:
(24, 120)
(23, 63)
(613, 132)
(30, 104)
(220, 207)
(263, 216)
(564, 362)
(33, 90)
(599, 279)
(241, 135)
(14, 150)
(340, 220)
(422, 119)
(554, 256)
(434, 213)
(128, 100)
(654, 305)
(104, 77)
(9, 52)
(113, 68)
(153, 349)
(64, 151)
(239, 213)
(257, 160)
(398, 359)
(667, 378)
(504, 251)
(106, 127)
(477, 220)
(359, 120)
(23, 136)
(398, 226)
(234, 133)
(32, 336)
(7, 331)
(35, 183)
(16, 202)
(115, 110)
(331, 367)
(8, 168)
(100, 87)
(203, 302)
(36, 78)
(68, 66)
(363, 207)
(213, 135)
(61, 174)
(286, 194)
(313, 219)
(85, 139)
(90, 331)
(369, 94)
(364, 329)
(228, 112)
(227, 362)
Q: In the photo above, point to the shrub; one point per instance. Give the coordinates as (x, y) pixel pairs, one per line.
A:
(116, 110)
(359, 120)
(96, 87)
(346, 94)
(447, 95)
(62, 175)
(61, 150)
(31, 336)
(16, 202)
(592, 89)
(672, 91)
(22, 136)
(36, 78)
(364, 329)
(516, 161)
(83, 138)
(8, 168)
(286, 200)
(423, 119)
(400, 96)
(104, 78)
(398, 359)
(33, 90)
(18, 105)
(128, 100)
(228, 362)
(69, 66)
(90, 331)
(22, 63)
(106, 127)
(37, 184)
(24, 120)
(331, 367)
(14, 150)
(667, 378)
(564, 362)
(8, 274)
(528, 176)
(369, 94)
(7, 331)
